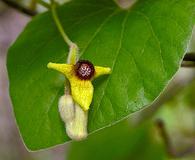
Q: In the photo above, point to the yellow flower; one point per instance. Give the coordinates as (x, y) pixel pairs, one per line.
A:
(80, 76)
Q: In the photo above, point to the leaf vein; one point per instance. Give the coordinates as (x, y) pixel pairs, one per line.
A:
(117, 54)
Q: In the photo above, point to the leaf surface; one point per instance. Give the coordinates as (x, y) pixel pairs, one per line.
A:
(143, 45)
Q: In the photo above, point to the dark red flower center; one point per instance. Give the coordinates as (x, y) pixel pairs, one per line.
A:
(84, 69)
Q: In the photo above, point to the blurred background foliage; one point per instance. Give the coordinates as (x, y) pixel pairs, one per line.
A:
(120, 142)
(163, 131)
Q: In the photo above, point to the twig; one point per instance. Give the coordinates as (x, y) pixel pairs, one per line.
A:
(170, 150)
(189, 60)
(188, 64)
(189, 57)
(20, 8)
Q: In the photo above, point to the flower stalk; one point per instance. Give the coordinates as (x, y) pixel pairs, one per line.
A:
(58, 23)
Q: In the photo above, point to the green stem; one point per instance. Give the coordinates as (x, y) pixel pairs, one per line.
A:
(58, 23)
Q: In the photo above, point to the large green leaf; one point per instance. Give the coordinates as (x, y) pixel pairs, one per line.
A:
(143, 45)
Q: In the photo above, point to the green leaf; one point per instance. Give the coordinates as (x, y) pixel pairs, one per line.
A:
(143, 45)
(119, 142)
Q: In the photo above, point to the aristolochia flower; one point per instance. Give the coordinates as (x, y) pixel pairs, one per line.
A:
(74, 104)
(80, 76)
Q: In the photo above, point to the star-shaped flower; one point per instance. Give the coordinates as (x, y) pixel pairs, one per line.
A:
(80, 76)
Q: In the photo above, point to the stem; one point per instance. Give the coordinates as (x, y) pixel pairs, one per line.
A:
(164, 135)
(188, 65)
(189, 60)
(170, 150)
(58, 23)
(189, 57)
(20, 8)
